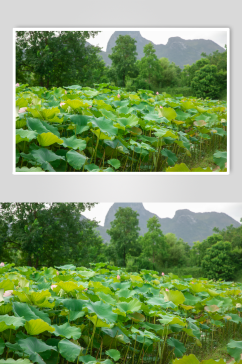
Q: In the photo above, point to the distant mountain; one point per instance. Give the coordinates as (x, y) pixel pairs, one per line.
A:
(177, 50)
(188, 225)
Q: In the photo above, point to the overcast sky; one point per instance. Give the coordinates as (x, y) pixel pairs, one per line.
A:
(161, 36)
(168, 209)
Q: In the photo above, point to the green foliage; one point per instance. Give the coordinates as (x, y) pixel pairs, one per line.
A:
(43, 234)
(124, 233)
(57, 58)
(218, 262)
(83, 129)
(154, 245)
(105, 314)
(123, 57)
(205, 83)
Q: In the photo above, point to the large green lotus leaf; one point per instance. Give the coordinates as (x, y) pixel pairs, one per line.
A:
(29, 312)
(75, 104)
(21, 102)
(199, 169)
(69, 350)
(49, 113)
(39, 296)
(171, 157)
(178, 168)
(219, 131)
(73, 87)
(33, 346)
(114, 163)
(190, 359)
(234, 348)
(56, 119)
(171, 320)
(68, 286)
(179, 347)
(97, 322)
(25, 135)
(5, 308)
(32, 169)
(75, 159)
(66, 267)
(181, 115)
(233, 318)
(130, 121)
(220, 158)
(114, 354)
(10, 322)
(106, 298)
(67, 331)
(74, 143)
(73, 304)
(101, 135)
(36, 327)
(81, 122)
(198, 287)
(43, 155)
(103, 311)
(132, 306)
(91, 93)
(190, 299)
(186, 105)
(6, 284)
(152, 116)
(105, 125)
(46, 139)
(176, 297)
(126, 293)
(41, 126)
(88, 359)
(168, 113)
(123, 110)
(12, 361)
(108, 114)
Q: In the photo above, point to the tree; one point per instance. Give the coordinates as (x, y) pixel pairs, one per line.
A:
(170, 72)
(55, 58)
(149, 66)
(124, 233)
(38, 234)
(154, 245)
(178, 251)
(199, 249)
(123, 57)
(218, 262)
(206, 82)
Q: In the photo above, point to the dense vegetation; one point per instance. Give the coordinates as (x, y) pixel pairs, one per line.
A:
(106, 315)
(38, 234)
(62, 58)
(108, 129)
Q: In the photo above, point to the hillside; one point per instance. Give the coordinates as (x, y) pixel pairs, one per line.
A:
(177, 50)
(188, 225)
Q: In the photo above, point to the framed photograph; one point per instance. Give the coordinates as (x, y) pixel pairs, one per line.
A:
(126, 101)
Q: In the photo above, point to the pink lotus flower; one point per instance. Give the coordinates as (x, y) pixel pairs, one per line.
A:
(62, 103)
(2, 264)
(183, 100)
(65, 92)
(90, 106)
(53, 286)
(85, 289)
(162, 273)
(118, 95)
(57, 273)
(161, 107)
(8, 293)
(17, 85)
(167, 290)
(157, 93)
(23, 109)
(118, 276)
(192, 282)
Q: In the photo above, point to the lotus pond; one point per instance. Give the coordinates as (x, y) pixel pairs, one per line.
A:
(106, 315)
(107, 129)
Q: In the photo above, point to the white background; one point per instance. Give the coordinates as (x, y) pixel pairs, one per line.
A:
(118, 188)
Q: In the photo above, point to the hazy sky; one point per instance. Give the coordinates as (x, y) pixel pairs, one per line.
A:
(162, 36)
(168, 209)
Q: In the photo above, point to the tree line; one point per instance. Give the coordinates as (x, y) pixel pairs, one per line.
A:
(53, 234)
(63, 58)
